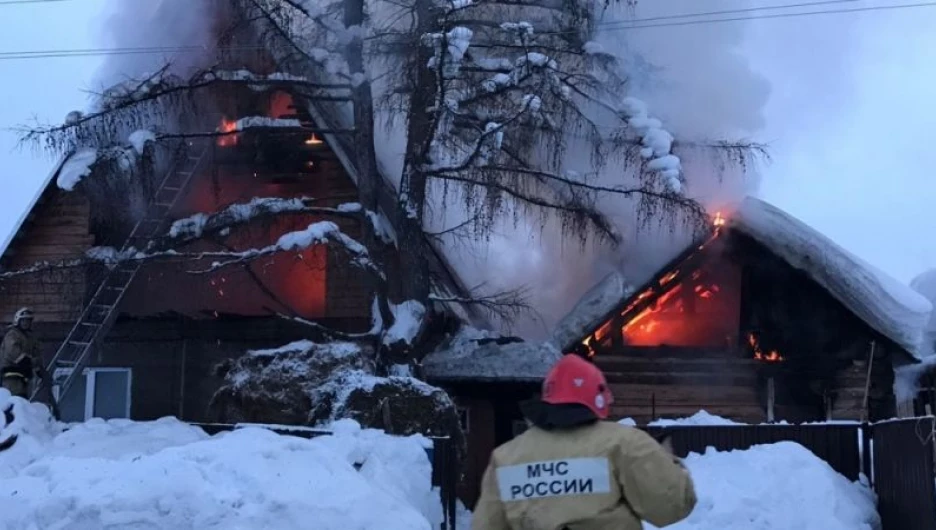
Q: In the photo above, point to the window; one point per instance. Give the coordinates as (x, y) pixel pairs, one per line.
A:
(464, 419)
(97, 393)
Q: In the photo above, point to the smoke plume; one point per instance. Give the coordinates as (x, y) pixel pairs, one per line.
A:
(692, 77)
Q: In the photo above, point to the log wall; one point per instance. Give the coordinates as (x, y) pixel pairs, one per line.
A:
(679, 382)
(57, 229)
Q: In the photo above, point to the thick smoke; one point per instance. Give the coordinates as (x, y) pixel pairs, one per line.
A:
(156, 24)
(693, 78)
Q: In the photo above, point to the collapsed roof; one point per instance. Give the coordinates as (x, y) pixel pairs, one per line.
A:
(889, 307)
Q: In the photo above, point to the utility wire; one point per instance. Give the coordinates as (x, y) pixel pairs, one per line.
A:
(613, 26)
(624, 24)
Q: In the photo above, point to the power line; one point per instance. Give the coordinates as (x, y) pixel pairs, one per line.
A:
(623, 24)
(11, 2)
(612, 26)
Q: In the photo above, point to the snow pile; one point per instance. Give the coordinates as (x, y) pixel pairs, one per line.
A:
(756, 488)
(701, 418)
(657, 142)
(75, 168)
(166, 474)
(587, 314)
(890, 307)
(482, 356)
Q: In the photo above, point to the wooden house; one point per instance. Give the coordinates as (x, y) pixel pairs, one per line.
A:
(765, 320)
(158, 356)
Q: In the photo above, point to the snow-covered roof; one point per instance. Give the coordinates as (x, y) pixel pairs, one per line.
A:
(21, 220)
(474, 355)
(925, 284)
(893, 309)
(591, 310)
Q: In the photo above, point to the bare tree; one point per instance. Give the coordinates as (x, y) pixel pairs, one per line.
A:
(493, 96)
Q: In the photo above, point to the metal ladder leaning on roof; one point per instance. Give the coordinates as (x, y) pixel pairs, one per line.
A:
(99, 314)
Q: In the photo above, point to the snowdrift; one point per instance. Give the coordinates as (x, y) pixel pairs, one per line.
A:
(781, 486)
(166, 474)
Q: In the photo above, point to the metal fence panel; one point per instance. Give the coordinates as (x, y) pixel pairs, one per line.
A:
(903, 473)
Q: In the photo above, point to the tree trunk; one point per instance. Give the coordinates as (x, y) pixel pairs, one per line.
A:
(369, 178)
(420, 123)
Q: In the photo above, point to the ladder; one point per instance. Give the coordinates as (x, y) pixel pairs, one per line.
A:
(100, 313)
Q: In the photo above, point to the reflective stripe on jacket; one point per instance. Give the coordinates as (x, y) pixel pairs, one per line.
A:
(601, 476)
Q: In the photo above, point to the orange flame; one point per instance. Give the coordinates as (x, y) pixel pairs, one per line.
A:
(719, 221)
(313, 140)
(227, 126)
(772, 357)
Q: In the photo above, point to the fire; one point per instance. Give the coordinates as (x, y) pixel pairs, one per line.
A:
(772, 357)
(719, 221)
(227, 126)
(313, 140)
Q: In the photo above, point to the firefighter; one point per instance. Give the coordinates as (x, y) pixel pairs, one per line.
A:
(572, 471)
(19, 355)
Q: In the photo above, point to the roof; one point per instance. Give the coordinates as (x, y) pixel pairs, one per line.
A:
(30, 206)
(591, 310)
(889, 307)
(478, 356)
(892, 308)
(449, 284)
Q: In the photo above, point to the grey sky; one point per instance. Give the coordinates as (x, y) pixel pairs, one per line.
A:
(848, 119)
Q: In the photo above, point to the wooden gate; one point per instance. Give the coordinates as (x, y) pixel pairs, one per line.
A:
(904, 473)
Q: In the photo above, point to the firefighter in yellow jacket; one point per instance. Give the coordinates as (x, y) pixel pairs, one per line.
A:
(20, 355)
(572, 471)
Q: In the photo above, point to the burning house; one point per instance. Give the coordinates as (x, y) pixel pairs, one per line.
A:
(764, 320)
(169, 323)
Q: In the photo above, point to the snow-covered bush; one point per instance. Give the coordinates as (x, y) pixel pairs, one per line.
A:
(308, 383)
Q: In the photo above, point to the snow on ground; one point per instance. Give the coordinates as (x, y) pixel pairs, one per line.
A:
(780, 486)
(892, 308)
(166, 474)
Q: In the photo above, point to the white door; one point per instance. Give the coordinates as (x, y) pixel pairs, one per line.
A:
(97, 393)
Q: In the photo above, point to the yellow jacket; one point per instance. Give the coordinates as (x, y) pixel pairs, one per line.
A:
(601, 476)
(18, 345)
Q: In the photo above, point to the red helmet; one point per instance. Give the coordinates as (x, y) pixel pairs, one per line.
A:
(575, 380)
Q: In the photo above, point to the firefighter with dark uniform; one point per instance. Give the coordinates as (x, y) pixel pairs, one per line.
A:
(20, 357)
(573, 471)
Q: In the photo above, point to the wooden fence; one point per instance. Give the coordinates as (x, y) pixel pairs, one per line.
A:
(904, 473)
(839, 445)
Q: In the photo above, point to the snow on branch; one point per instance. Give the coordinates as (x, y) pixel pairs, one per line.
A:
(408, 320)
(657, 142)
(318, 233)
(196, 225)
(158, 97)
